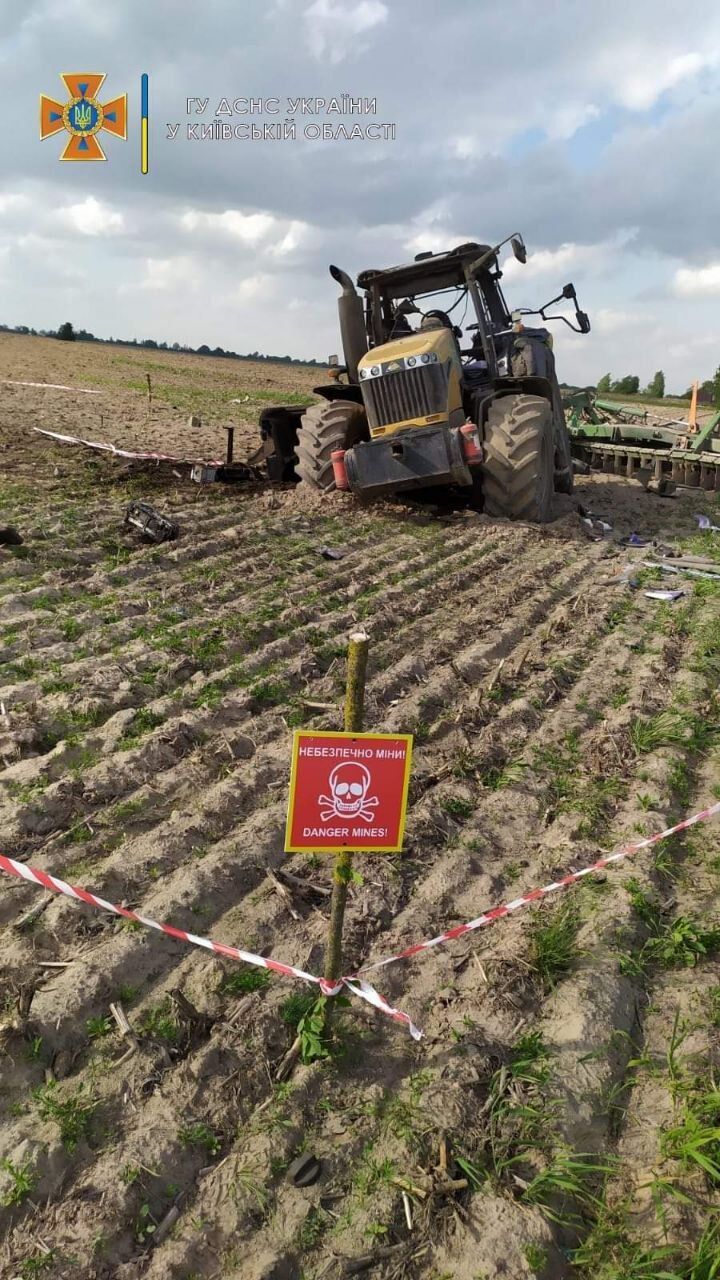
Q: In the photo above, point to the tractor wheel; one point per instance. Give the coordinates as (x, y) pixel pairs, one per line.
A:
(564, 476)
(333, 424)
(518, 464)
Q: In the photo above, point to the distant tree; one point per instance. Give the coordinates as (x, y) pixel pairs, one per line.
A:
(149, 342)
(656, 388)
(204, 350)
(604, 383)
(21, 328)
(66, 333)
(627, 386)
(218, 351)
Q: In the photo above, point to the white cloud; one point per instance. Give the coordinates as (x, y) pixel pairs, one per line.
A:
(263, 232)
(565, 121)
(638, 76)
(92, 218)
(255, 286)
(10, 202)
(698, 282)
(609, 320)
(163, 274)
(250, 228)
(334, 27)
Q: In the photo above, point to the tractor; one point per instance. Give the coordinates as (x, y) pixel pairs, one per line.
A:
(413, 408)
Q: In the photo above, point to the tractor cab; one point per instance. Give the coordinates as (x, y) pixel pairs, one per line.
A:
(433, 358)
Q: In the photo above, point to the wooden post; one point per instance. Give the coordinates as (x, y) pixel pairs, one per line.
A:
(354, 704)
(149, 394)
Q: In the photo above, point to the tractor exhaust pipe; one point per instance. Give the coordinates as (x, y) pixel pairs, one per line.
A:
(352, 322)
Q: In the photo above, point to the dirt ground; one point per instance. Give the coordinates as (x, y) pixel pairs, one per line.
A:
(147, 697)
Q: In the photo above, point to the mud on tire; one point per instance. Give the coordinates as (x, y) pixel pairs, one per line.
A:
(334, 424)
(518, 465)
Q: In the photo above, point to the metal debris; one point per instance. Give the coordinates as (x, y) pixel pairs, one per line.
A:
(150, 523)
(304, 1170)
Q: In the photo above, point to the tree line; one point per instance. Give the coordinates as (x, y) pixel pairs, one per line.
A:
(708, 391)
(68, 333)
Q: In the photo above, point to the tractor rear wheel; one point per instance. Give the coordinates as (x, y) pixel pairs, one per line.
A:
(330, 425)
(518, 462)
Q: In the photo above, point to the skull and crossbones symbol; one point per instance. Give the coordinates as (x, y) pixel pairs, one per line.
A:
(349, 785)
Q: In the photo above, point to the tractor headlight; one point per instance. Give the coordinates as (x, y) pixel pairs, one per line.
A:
(425, 358)
(363, 373)
(434, 357)
(411, 360)
(375, 370)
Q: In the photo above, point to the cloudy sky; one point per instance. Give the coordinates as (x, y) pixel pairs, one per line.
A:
(591, 127)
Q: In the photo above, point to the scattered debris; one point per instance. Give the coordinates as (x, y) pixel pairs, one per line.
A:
(634, 540)
(408, 1210)
(284, 894)
(661, 594)
(596, 529)
(150, 523)
(682, 568)
(9, 537)
(330, 553)
(704, 523)
(663, 488)
(194, 421)
(304, 1170)
(202, 474)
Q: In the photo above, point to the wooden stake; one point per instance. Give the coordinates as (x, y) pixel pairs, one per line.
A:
(147, 375)
(358, 647)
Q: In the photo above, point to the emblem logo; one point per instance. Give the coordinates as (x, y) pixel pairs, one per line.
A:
(83, 116)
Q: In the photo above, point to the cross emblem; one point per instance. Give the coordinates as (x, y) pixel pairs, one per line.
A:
(83, 117)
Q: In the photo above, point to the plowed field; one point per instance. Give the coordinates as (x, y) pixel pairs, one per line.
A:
(146, 701)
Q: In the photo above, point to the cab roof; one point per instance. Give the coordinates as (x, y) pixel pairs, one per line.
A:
(429, 273)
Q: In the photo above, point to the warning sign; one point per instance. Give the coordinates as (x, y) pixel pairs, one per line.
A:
(348, 791)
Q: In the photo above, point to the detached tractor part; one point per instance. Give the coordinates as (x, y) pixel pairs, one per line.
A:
(622, 440)
(418, 410)
(150, 524)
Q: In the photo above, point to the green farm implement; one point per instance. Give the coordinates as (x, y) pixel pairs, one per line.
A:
(627, 441)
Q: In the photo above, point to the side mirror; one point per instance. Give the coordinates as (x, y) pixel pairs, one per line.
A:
(518, 249)
(583, 320)
(568, 291)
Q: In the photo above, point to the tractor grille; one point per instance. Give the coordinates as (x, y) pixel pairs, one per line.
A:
(409, 393)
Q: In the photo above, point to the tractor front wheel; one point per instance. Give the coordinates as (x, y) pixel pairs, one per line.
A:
(518, 463)
(330, 425)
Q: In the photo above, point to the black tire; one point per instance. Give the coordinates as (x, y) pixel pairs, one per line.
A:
(518, 462)
(523, 366)
(564, 475)
(333, 424)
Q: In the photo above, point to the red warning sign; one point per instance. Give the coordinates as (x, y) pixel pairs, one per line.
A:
(348, 791)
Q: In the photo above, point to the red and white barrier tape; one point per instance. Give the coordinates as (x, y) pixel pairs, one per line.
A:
(355, 982)
(51, 386)
(489, 917)
(358, 986)
(123, 453)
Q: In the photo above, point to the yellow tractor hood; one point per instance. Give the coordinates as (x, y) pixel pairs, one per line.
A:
(412, 344)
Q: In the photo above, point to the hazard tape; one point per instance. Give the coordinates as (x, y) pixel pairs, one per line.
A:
(122, 453)
(51, 386)
(497, 913)
(355, 983)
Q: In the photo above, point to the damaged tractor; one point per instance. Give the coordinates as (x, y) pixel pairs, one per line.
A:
(425, 400)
